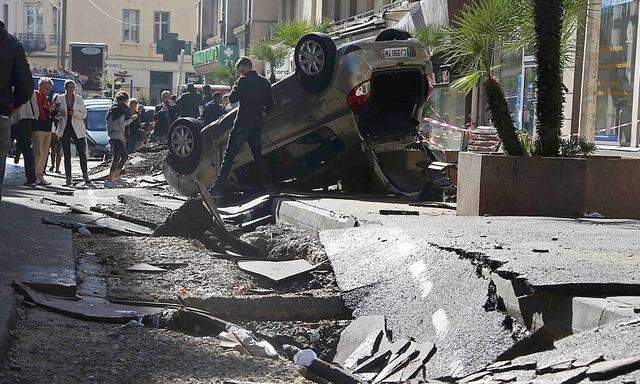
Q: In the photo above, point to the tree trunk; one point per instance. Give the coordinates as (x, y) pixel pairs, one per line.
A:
(501, 118)
(272, 78)
(550, 97)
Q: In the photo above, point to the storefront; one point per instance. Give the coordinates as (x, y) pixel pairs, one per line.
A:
(616, 72)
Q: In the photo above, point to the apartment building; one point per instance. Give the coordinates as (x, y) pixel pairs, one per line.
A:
(140, 39)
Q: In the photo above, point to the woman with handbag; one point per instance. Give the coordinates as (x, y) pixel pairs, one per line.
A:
(71, 127)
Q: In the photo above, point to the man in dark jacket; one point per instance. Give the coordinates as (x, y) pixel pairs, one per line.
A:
(165, 114)
(253, 92)
(207, 95)
(212, 110)
(16, 88)
(190, 102)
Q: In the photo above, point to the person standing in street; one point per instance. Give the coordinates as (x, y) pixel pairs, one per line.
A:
(253, 93)
(56, 146)
(71, 127)
(133, 129)
(165, 114)
(41, 136)
(207, 94)
(23, 122)
(190, 102)
(212, 110)
(16, 88)
(118, 119)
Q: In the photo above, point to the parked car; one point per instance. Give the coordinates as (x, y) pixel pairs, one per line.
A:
(344, 115)
(97, 138)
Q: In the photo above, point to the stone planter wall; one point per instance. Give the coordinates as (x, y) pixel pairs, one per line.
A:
(558, 187)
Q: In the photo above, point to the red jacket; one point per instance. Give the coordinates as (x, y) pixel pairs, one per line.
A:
(43, 106)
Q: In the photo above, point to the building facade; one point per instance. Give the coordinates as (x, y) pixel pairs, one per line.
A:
(142, 39)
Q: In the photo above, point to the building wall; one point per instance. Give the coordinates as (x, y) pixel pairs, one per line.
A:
(11, 9)
(87, 24)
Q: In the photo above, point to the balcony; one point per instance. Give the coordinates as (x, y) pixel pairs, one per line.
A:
(33, 42)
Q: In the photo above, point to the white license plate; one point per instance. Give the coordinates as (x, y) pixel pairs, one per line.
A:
(394, 53)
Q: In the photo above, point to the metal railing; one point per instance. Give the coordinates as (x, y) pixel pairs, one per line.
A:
(33, 42)
(54, 40)
(359, 18)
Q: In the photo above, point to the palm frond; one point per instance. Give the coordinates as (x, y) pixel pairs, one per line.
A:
(433, 36)
(289, 32)
(465, 84)
(270, 52)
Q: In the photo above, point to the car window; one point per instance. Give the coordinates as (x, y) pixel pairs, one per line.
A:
(96, 120)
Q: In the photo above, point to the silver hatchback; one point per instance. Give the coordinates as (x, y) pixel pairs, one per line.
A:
(344, 115)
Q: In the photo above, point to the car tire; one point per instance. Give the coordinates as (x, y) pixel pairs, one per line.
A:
(315, 57)
(185, 145)
(393, 34)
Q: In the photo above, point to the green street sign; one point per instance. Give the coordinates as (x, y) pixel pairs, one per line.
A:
(216, 54)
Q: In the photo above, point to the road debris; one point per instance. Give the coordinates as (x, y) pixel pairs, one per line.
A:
(85, 309)
(146, 268)
(277, 271)
(245, 341)
(324, 370)
(356, 337)
(388, 212)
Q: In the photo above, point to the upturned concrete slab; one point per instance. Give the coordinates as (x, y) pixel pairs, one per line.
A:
(575, 257)
(424, 292)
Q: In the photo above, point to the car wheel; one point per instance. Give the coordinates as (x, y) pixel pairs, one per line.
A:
(315, 57)
(393, 34)
(185, 145)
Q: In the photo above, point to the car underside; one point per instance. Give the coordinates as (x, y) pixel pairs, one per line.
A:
(355, 121)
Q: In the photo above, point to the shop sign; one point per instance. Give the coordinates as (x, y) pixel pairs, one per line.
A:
(222, 54)
(611, 3)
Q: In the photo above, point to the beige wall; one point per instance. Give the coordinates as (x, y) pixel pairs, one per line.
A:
(87, 24)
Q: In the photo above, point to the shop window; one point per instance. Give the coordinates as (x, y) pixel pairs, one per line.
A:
(616, 67)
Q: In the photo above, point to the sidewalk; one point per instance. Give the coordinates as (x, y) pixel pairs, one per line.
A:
(444, 278)
(29, 250)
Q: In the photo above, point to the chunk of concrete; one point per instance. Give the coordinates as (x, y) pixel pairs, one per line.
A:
(365, 350)
(277, 270)
(356, 333)
(612, 368)
(564, 377)
(145, 268)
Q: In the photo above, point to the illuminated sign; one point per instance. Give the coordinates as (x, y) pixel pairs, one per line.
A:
(217, 54)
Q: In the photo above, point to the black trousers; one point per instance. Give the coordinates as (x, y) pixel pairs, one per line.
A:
(237, 137)
(81, 147)
(120, 155)
(22, 133)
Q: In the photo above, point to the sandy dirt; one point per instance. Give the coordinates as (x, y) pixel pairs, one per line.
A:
(285, 242)
(203, 274)
(51, 348)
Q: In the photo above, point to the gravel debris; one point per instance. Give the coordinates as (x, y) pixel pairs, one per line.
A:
(52, 348)
(321, 336)
(285, 242)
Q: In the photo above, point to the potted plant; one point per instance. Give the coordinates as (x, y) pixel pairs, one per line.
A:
(539, 176)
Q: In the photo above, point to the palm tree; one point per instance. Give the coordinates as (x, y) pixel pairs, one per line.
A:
(482, 29)
(224, 75)
(489, 27)
(289, 32)
(272, 53)
(550, 97)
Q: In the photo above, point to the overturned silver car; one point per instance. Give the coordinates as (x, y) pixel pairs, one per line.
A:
(346, 115)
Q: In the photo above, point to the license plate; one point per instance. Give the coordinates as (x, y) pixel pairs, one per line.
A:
(394, 53)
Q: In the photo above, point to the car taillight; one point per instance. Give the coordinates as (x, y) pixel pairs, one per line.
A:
(359, 95)
(427, 87)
